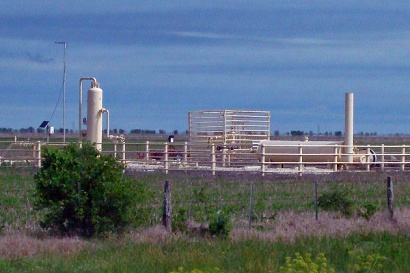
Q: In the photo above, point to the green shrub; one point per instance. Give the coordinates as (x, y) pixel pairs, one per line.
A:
(336, 200)
(220, 224)
(361, 262)
(82, 192)
(142, 198)
(180, 220)
(181, 270)
(305, 264)
(367, 210)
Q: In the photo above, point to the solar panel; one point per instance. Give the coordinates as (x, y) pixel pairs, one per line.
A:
(43, 124)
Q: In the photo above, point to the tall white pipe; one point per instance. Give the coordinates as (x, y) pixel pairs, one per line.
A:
(349, 126)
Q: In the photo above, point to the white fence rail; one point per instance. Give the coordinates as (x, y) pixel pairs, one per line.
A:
(180, 156)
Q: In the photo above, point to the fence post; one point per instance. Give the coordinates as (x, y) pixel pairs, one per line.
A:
(213, 158)
(263, 159)
(335, 151)
(250, 205)
(390, 197)
(38, 154)
(186, 152)
(382, 160)
(403, 158)
(300, 165)
(368, 158)
(316, 207)
(166, 163)
(167, 215)
(147, 150)
(123, 153)
(115, 150)
(223, 157)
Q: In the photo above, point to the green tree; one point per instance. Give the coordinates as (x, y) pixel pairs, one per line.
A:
(82, 192)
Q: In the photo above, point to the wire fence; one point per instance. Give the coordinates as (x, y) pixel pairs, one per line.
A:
(254, 200)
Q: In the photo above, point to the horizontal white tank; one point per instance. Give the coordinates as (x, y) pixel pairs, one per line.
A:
(362, 156)
(288, 151)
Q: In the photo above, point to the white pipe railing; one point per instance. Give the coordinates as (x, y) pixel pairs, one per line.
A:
(183, 156)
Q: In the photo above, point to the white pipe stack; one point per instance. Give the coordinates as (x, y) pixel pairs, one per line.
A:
(349, 126)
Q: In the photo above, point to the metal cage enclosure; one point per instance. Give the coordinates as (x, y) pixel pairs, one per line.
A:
(233, 134)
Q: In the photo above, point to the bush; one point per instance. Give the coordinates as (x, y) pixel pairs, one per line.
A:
(82, 192)
(220, 224)
(306, 264)
(181, 270)
(336, 200)
(367, 210)
(142, 197)
(361, 262)
(180, 220)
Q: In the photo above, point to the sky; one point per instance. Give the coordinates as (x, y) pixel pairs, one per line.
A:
(158, 60)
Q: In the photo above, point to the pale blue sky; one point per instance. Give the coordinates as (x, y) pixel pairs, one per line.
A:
(158, 60)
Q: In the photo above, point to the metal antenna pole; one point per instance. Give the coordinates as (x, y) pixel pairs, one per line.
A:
(64, 80)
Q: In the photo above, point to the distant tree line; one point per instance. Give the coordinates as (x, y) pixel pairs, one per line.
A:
(152, 132)
(6, 130)
(297, 133)
(115, 131)
(60, 130)
(368, 134)
(142, 132)
(22, 130)
(311, 133)
(31, 129)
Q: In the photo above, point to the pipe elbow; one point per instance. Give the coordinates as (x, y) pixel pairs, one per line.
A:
(117, 138)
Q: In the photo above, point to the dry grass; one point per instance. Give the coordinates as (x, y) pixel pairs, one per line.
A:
(18, 245)
(15, 245)
(289, 226)
(151, 235)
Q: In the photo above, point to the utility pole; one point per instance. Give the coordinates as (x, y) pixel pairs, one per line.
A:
(64, 80)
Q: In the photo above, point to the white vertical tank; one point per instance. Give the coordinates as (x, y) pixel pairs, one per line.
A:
(94, 115)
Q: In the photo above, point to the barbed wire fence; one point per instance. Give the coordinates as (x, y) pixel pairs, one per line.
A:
(253, 203)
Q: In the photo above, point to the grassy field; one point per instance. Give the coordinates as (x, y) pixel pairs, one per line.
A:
(282, 224)
(160, 253)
